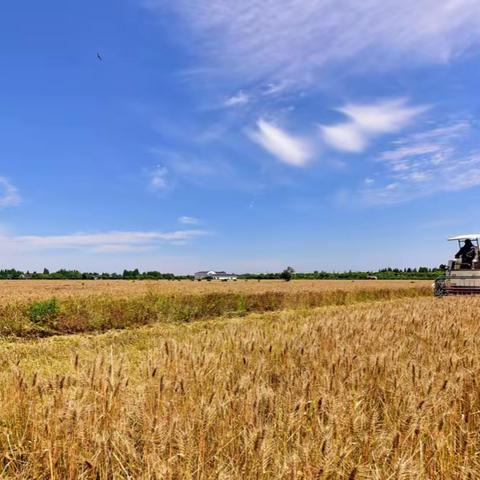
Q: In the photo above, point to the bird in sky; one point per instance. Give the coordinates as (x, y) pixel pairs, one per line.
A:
(99, 57)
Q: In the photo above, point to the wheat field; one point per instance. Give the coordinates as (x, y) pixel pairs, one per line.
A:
(379, 389)
(29, 290)
(93, 306)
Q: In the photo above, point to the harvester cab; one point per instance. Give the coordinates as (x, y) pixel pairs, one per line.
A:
(462, 276)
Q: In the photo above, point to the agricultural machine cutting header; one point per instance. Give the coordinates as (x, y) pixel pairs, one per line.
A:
(462, 276)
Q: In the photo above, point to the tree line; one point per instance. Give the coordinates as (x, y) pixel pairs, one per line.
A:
(421, 273)
(64, 274)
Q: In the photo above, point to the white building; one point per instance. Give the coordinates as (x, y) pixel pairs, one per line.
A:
(213, 275)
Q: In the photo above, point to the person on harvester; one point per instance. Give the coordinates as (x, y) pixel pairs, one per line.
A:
(467, 253)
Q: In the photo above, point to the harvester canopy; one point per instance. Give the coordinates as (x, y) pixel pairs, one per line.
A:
(461, 238)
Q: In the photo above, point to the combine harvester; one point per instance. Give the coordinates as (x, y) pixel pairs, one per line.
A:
(461, 278)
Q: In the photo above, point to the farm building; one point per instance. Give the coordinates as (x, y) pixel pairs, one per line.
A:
(213, 275)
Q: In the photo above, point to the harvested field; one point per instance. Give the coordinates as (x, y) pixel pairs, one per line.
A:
(373, 390)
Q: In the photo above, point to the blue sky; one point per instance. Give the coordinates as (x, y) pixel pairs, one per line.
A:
(245, 136)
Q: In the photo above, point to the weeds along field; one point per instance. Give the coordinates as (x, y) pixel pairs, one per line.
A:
(47, 308)
(375, 390)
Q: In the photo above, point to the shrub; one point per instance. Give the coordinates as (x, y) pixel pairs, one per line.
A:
(44, 311)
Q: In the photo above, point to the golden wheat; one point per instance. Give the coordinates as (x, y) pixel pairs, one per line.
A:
(374, 390)
(97, 312)
(29, 290)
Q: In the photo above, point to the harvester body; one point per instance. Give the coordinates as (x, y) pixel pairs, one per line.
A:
(461, 278)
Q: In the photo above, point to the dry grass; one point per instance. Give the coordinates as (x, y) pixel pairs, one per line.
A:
(30, 290)
(378, 390)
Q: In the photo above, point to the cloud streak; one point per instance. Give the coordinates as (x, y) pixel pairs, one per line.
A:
(298, 39)
(433, 161)
(241, 98)
(9, 195)
(189, 220)
(289, 149)
(104, 242)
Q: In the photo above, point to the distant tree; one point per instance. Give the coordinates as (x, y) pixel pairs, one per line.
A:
(131, 274)
(46, 271)
(287, 274)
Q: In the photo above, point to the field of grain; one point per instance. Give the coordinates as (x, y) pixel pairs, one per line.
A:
(307, 380)
(29, 290)
(376, 390)
(52, 308)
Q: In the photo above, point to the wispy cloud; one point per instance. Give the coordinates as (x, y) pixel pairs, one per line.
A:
(298, 39)
(204, 171)
(9, 195)
(158, 178)
(189, 221)
(275, 88)
(116, 241)
(421, 164)
(192, 170)
(367, 121)
(241, 98)
(288, 148)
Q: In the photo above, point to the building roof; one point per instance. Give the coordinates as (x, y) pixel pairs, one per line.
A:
(215, 272)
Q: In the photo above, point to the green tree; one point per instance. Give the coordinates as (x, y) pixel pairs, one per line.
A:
(287, 274)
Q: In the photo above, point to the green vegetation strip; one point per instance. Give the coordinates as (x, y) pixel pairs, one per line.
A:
(101, 313)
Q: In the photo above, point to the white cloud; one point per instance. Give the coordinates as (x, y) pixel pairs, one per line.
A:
(382, 117)
(275, 88)
(297, 39)
(189, 220)
(436, 160)
(102, 242)
(345, 136)
(241, 98)
(289, 149)
(158, 178)
(366, 122)
(9, 195)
